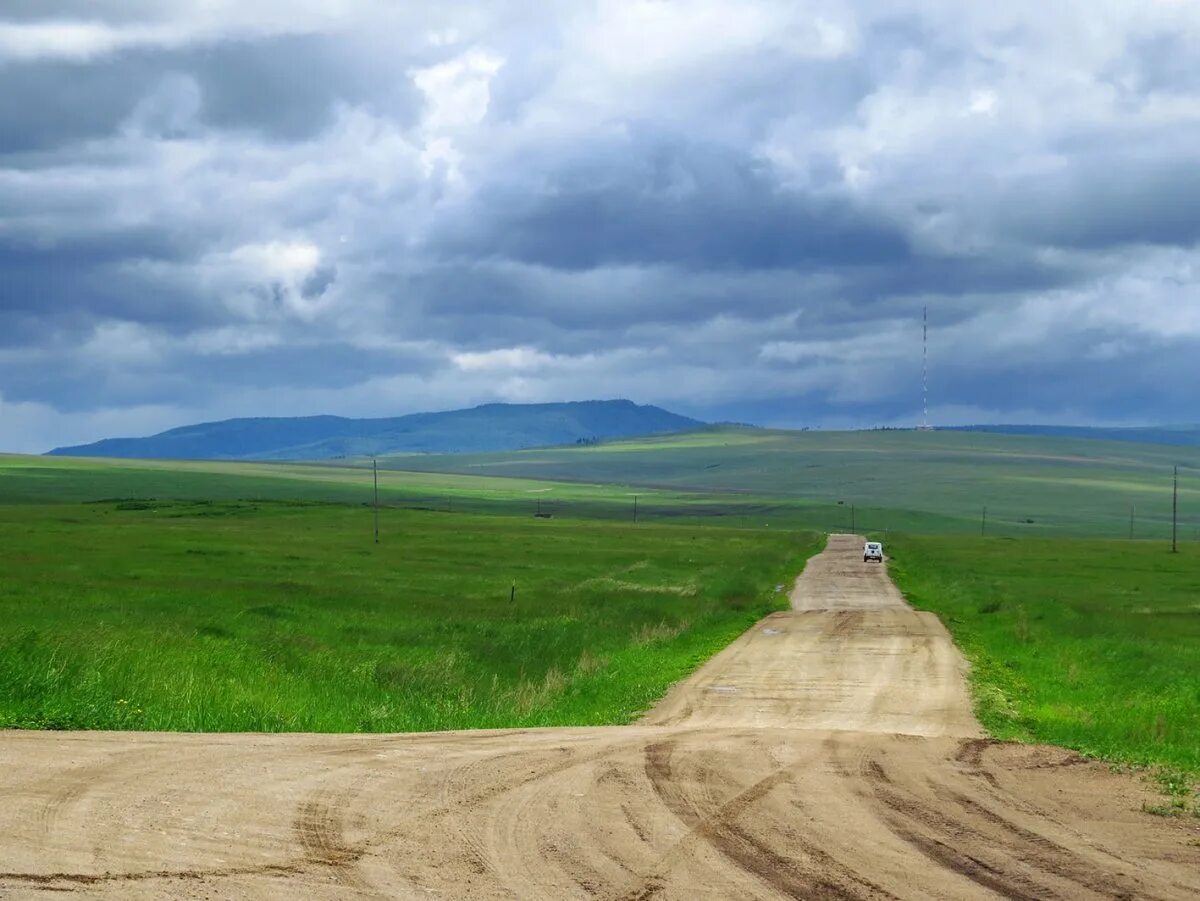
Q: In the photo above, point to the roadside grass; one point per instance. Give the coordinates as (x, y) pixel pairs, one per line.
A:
(227, 615)
(1092, 645)
(1181, 791)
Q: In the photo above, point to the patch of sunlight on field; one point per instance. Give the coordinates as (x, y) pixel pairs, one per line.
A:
(1136, 486)
(685, 589)
(669, 442)
(318, 473)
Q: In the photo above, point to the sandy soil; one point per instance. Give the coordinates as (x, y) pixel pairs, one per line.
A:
(829, 752)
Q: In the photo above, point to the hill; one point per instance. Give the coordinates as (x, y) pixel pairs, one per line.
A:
(491, 427)
(923, 482)
(911, 480)
(1178, 435)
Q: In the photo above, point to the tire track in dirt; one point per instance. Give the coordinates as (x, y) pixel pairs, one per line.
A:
(719, 827)
(319, 829)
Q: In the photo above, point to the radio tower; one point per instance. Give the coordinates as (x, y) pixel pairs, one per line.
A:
(925, 426)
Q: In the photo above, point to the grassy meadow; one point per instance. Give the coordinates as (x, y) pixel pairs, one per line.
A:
(49, 480)
(1093, 645)
(897, 481)
(882, 481)
(229, 615)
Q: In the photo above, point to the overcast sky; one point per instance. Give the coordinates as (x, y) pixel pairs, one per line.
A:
(733, 209)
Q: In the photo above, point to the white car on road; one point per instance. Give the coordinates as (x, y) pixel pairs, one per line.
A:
(873, 550)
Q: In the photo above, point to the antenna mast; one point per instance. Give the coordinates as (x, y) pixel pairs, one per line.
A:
(925, 369)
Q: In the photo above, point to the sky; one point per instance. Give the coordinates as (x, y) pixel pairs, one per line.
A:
(735, 209)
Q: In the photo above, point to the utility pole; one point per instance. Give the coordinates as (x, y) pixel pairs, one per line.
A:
(983, 522)
(1175, 513)
(1132, 510)
(852, 518)
(375, 474)
(635, 509)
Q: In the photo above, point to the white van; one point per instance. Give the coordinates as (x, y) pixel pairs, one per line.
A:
(873, 550)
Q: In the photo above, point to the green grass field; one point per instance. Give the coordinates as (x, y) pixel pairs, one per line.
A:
(46, 480)
(898, 481)
(234, 615)
(885, 481)
(1093, 645)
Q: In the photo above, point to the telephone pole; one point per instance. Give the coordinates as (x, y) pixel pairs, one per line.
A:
(375, 474)
(983, 522)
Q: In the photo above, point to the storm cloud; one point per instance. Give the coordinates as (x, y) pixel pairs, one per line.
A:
(737, 210)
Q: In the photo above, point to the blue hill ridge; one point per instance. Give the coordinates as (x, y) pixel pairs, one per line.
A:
(490, 427)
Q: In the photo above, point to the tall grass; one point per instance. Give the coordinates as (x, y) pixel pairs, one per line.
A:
(263, 616)
(1093, 645)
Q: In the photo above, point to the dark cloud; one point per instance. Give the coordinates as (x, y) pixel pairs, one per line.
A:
(92, 380)
(1111, 200)
(284, 87)
(1165, 62)
(289, 86)
(80, 10)
(95, 278)
(697, 207)
(88, 102)
(317, 283)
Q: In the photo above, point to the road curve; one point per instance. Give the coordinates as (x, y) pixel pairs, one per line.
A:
(828, 753)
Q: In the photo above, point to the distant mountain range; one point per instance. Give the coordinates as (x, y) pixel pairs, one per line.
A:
(485, 429)
(1179, 435)
(491, 427)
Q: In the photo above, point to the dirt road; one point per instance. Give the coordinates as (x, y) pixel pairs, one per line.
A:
(829, 752)
(850, 655)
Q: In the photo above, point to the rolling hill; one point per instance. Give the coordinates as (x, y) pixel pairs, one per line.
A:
(918, 481)
(491, 427)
